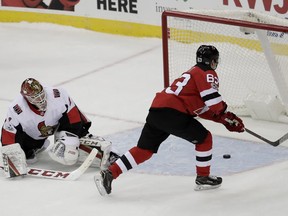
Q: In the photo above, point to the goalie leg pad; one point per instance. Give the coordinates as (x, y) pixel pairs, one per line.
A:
(65, 150)
(14, 160)
(100, 144)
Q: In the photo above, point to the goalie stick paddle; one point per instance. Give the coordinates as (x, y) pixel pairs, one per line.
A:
(63, 175)
(273, 143)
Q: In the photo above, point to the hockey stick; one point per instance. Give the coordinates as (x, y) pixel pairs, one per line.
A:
(88, 149)
(273, 143)
(62, 175)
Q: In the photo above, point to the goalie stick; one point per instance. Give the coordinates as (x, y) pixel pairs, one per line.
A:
(63, 175)
(273, 143)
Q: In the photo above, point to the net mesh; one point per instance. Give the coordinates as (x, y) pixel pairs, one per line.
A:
(245, 66)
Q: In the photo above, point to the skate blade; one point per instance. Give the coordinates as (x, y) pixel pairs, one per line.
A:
(98, 183)
(206, 187)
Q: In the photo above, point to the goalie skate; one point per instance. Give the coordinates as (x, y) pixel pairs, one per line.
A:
(207, 183)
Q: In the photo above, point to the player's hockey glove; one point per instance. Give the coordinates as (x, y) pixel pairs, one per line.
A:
(231, 122)
(228, 119)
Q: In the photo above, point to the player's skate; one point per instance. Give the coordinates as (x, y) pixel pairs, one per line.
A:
(103, 182)
(207, 182)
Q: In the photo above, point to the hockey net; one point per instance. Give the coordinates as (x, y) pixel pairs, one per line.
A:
(253, 47)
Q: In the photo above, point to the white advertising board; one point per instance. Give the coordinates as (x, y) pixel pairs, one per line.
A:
(149, 11)
(139, 11)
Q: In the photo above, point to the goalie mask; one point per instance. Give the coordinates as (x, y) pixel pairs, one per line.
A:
(34, 93)
(207, 55)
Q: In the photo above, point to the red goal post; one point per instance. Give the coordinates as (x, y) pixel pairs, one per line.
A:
(253, 46)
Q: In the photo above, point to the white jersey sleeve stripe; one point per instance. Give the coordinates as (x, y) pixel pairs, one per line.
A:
(207, 92)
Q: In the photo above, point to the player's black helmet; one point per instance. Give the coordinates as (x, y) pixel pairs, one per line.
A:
(207, 55)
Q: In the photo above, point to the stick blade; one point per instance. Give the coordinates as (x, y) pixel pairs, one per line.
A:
(273, 143)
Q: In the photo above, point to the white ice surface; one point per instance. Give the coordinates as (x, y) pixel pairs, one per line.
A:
(113, 80)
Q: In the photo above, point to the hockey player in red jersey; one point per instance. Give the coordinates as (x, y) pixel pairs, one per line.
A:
(173, 111)
(41, 111)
